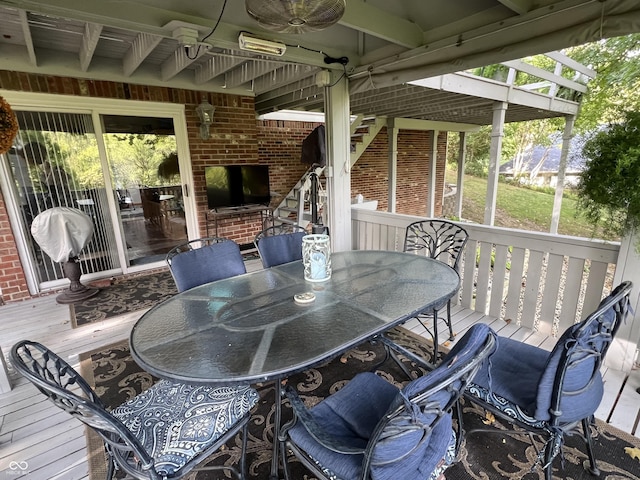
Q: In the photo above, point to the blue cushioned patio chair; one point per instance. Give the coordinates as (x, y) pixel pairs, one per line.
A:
(280, 244)
(550, 393)
(444, 241)
(163, 433)
(204, 260)
(371, 429)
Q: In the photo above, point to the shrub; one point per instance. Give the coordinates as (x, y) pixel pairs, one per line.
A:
(608, 190)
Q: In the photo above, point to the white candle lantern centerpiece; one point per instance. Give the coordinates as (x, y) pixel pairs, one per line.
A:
(316, 256)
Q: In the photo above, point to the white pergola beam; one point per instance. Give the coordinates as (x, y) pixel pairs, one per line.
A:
(216, 66)
(282, 76)
(90, 39)
(180, 60)
(140, 49)
(416, 124)
(376, 22)
(28, 40)
(247, 72)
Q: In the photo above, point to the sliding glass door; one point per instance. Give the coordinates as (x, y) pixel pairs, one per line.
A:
(143, 161)
(55, 163)
(120, 170)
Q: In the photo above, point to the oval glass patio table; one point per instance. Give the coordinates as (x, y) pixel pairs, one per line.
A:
(249, 329)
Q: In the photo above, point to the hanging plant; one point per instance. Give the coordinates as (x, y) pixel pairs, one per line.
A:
(8, 126)
(608, 189)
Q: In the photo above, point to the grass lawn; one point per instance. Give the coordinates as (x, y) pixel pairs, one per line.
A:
(522, 208)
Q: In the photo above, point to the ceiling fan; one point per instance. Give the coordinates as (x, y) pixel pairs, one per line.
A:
(295, 16)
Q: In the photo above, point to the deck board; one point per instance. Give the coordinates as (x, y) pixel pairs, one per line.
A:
(54, 445)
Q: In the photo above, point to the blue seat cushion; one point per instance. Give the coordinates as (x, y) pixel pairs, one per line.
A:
(175, 422)
(522, 378)
(207, 264)
(352, 414)
(278, 249)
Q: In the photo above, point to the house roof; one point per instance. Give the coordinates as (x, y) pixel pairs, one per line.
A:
(387, 44)
(550, 157)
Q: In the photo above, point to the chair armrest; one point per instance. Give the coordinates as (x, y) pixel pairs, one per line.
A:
(303, 415)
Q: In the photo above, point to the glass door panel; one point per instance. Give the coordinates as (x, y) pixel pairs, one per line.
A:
(55, 163)
(143, 162)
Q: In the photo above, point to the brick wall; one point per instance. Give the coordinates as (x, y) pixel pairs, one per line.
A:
(12, 280)
(370, 175)
(236, 138)
(279, 146)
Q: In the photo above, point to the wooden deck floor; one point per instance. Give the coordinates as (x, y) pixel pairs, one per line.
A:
(38, 441)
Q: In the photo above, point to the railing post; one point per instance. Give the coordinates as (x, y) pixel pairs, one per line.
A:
(622, 352)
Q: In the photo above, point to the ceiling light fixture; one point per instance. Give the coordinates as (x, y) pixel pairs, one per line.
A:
(259, 45)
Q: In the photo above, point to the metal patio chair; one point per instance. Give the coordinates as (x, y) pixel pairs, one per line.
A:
(204, 260)
(370, 429)
(549, 394)
(280, 244)
(163, 433)
(444, 241)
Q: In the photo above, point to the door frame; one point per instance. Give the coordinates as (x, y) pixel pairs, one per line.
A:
(95, 107)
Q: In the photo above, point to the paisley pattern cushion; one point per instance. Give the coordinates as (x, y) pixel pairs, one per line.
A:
(504, 405)
(175, 422)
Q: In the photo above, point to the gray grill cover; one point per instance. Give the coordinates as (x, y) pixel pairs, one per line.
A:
(62, 232)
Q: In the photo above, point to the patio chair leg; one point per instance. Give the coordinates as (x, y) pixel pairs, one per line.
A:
(110, 467)
(586, 428)
(436, 353)
(451, 335)
(458, 415)
(243, 459)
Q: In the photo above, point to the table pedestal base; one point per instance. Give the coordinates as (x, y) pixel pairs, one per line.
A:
(76, 291)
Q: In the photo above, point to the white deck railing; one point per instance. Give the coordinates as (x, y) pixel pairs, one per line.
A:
(541, 281)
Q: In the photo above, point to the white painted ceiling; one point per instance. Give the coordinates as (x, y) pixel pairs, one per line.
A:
(387, 42)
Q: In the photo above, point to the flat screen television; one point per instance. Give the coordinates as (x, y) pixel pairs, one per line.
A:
(237, 185)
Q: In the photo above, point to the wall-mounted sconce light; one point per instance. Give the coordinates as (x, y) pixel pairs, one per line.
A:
(205, 113)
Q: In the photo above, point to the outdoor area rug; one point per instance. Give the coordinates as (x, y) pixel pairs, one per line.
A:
(124, 295)
(117, 378)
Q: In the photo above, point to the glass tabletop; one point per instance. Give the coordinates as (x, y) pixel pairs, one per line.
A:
(249, 328)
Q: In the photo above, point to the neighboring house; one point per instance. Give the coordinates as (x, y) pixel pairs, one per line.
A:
(540, 164)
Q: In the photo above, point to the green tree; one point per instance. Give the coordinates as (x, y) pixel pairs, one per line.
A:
(613, 91)
(477, 151)
(608, 190)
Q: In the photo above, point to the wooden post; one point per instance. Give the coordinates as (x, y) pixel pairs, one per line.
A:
(562, 168)
(392, 133)
(433, 163)
(622, 352)
(497, 132)
(461, 161)
(338, 172)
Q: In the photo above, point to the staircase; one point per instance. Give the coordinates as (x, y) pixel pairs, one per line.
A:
(363, 131)
(296, 208)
